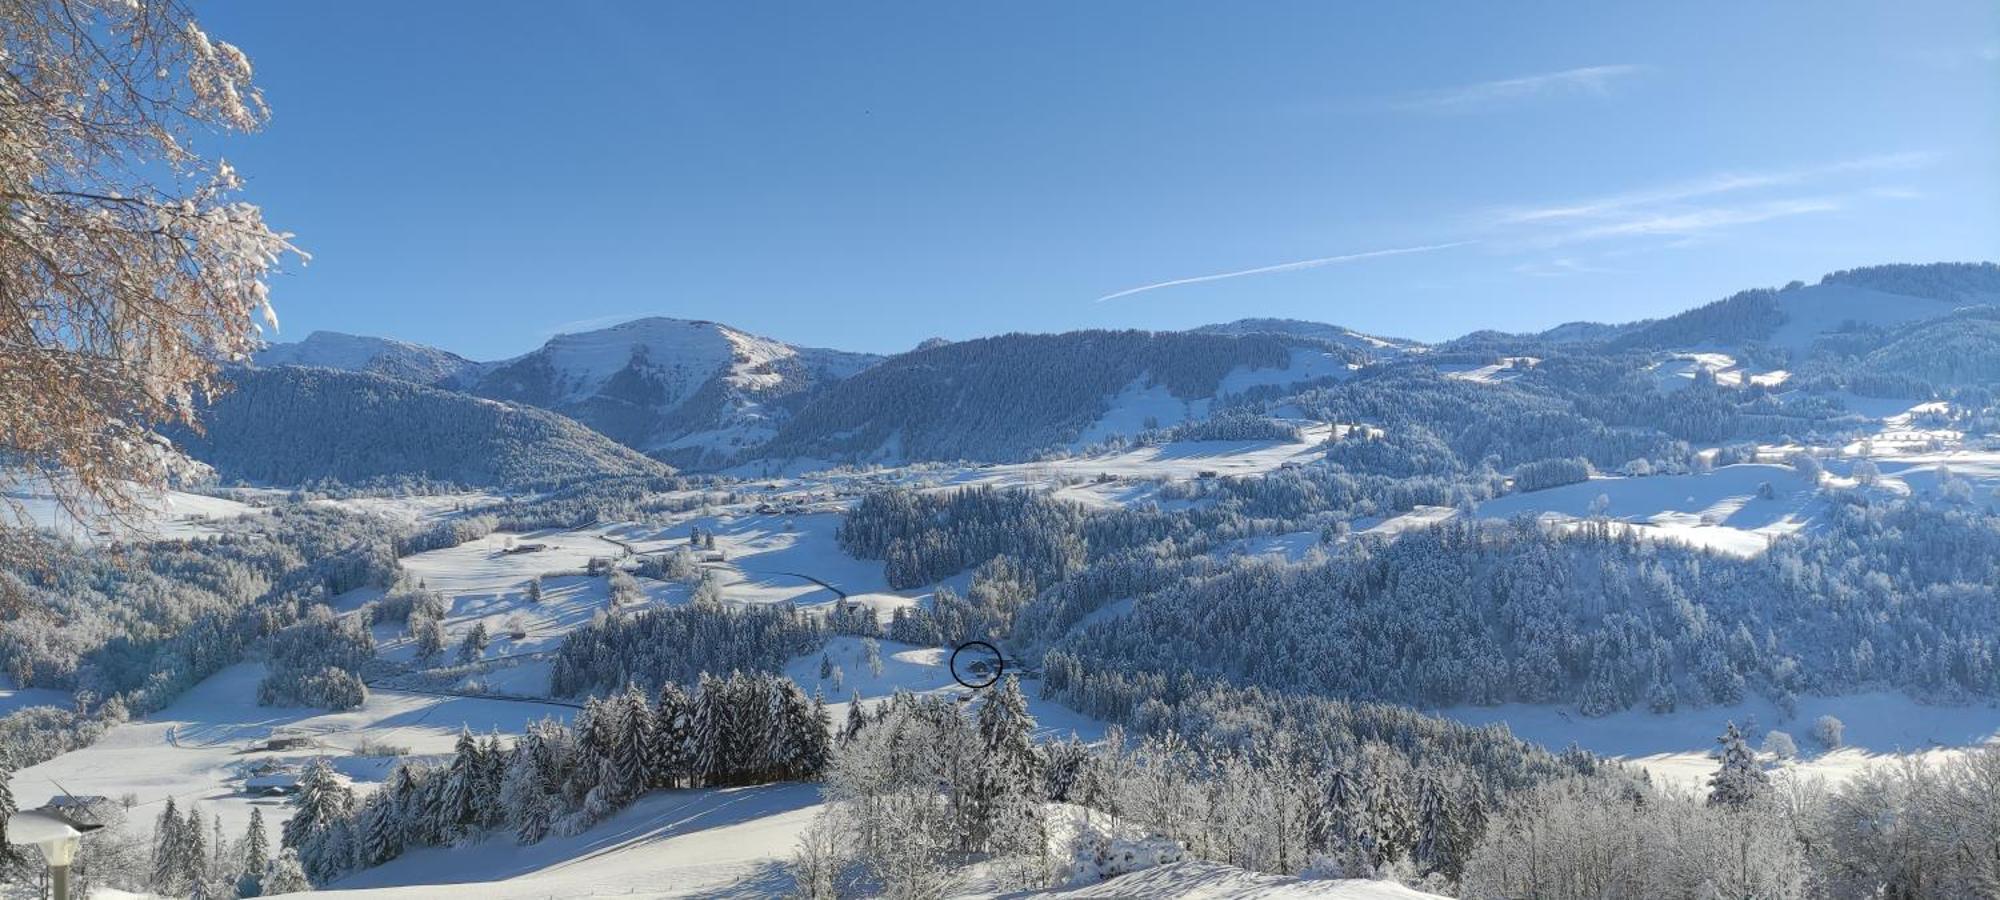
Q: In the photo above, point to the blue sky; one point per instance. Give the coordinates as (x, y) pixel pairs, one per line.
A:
(479, 176)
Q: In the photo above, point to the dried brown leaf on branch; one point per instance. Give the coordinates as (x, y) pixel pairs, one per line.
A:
(129, 271)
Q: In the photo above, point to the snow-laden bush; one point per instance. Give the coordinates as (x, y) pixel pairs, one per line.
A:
(1099, 856)
(1780, 745)
(1829, 732)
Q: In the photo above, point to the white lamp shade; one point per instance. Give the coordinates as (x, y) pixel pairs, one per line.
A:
(54, 836)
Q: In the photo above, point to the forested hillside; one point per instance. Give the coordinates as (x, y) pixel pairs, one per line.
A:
(292, 425)
(1004, 398)
(373, 355)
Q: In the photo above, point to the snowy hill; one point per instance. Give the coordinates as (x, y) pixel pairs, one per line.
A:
(1797, 317)
(289, 426)
(691, 392)
(1007, 398)
(1333, 334)
(373, 355)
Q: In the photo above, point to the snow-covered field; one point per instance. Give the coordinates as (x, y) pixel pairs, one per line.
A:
(1207, 880)
(921, 670)
(1506, 369)
(198, 750)
(1179, 461)
(723, 842)
(1675, 746)
(13, 698)
(1144, 404)
(173, 515)
(1720, 510)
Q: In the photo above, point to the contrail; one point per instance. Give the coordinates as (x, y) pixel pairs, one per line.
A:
(1283, 267)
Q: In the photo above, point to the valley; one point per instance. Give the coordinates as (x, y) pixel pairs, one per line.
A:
(1270, 513)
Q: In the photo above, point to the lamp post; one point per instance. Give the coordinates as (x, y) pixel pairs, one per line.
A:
(56, 836)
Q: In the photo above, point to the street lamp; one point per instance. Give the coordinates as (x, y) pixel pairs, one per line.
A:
(58, 838)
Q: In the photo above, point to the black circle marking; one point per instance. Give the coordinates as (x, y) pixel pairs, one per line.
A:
(999, 665)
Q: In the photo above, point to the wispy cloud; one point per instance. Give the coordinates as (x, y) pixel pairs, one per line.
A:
(1700, 206)
(1706, 219)
(1615, 205)
(1283, 267)
(1561, 266)
(1589, 81)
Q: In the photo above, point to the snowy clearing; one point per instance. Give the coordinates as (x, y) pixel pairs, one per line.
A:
(197, 750)
(1720, 510)
(172, 515)
(1676, 746)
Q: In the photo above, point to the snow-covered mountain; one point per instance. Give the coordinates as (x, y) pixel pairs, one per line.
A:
(373, 355)
(1374, 346)
(1009, 397)
(1857, 304)
(689, 392)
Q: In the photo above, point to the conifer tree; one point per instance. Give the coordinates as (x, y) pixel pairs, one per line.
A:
(669, 758)
(857, 719)
(706, 729)
(528, 802)
(632, 745)
(167, 847)
(381, 830)
(1007, 783)
(816, 746)
(459, 801)
(1739, 781)
(285, 875)
(428, 636)
(256, 855)
(7, 809)
(474, 644)
(491, 769)
(192, 855)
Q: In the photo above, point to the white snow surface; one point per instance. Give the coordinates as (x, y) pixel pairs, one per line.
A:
(1719, 510)
(1675, 747)
(1202, 880)
(710, 842)
(167, 515)
(1144, 403)
(194, 750)
(1825, 308)
(13, 698)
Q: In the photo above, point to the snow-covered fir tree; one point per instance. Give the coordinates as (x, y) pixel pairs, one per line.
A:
(1740, 780)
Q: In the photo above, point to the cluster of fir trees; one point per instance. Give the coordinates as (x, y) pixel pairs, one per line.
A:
(1907, 829)
(317, 662)
(679, 644)
(290, 425)
(1889, 592)
(128, 629)
(1235, 425)
(919, 785)
(561, 779)
(187, 863)
(922, 537)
